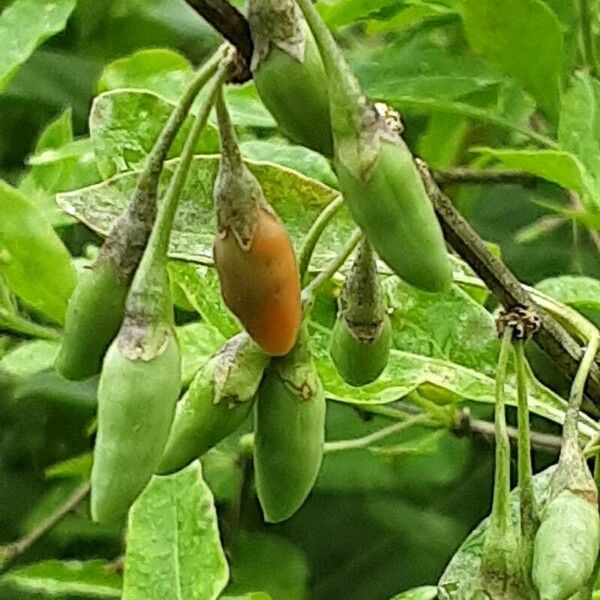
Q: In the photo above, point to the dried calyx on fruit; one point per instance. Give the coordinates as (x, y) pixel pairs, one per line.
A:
(289, 432)
(96, 306)
(253, 252)
(377, 174)
(289, 73)
(141, 375)
(567, 543)
(362, 334)
(217, 402)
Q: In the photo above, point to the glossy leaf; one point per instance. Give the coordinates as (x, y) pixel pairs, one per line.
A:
(506, 32)
(125, 124)
(579, 128)
(92, 579)
(562, 168)
(426, 592)
(296, 199)
(35, 263)
(173, 545)
(29, 357)
(24, 25)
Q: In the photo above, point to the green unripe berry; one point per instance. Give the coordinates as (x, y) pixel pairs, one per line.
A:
(93, 319)
(136, 403)
(566, 546)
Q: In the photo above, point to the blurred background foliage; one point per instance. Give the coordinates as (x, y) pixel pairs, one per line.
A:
(374, 525)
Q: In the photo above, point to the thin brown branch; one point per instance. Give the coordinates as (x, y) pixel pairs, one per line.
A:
(488, 176)
(552, 338)
(15, 549)
(231, 24)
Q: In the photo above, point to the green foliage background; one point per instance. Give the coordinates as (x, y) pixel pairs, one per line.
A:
(84, 91)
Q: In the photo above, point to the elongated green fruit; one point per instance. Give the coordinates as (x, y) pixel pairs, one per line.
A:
(360, 354)
(566, 546)
(393, 210)
(216, 403)
(362, 335)
(137, 400)
(96, 307)
(289, 430)
(93, 319)
(377, 175)
(141, 375)
(289, 73)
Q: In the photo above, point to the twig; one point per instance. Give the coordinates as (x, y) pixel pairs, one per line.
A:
(15, 549)
(309, 291)
(367, 440)
(578, 206)
(551, 337)
(487, 176)
(231, 24)
(464, 424)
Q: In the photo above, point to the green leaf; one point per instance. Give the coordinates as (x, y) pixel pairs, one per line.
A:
(56, 578)
(160, 70)
(34, 261)
(432, 106)
(296, 199)
(582, 293)
(426, 592)
(270, 564)
(579, 129)
(125, 124)
(522, 38)
(59, 164)
(557, 166)
(579, 292)
(200, 287)
(24, 25)
(419, 69)
(301, 159)
(343, 12)
(29, 357)
(458, 578)
(197, 341)
(173, 545)
(449, 326)
(412, 15)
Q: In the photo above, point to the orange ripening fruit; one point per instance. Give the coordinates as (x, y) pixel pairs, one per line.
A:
(261, 285)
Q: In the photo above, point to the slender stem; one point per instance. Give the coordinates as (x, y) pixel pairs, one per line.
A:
(315, 232)
(128, 237)
(155, 256)
(570, 429)
(336, 67)
(159, 152)
(230, 151)
(330, 270)
(367, 440)
(15, 549)
(500, 518)
(487, 176)
(551, 337)
(587, 35)
(528, 506)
